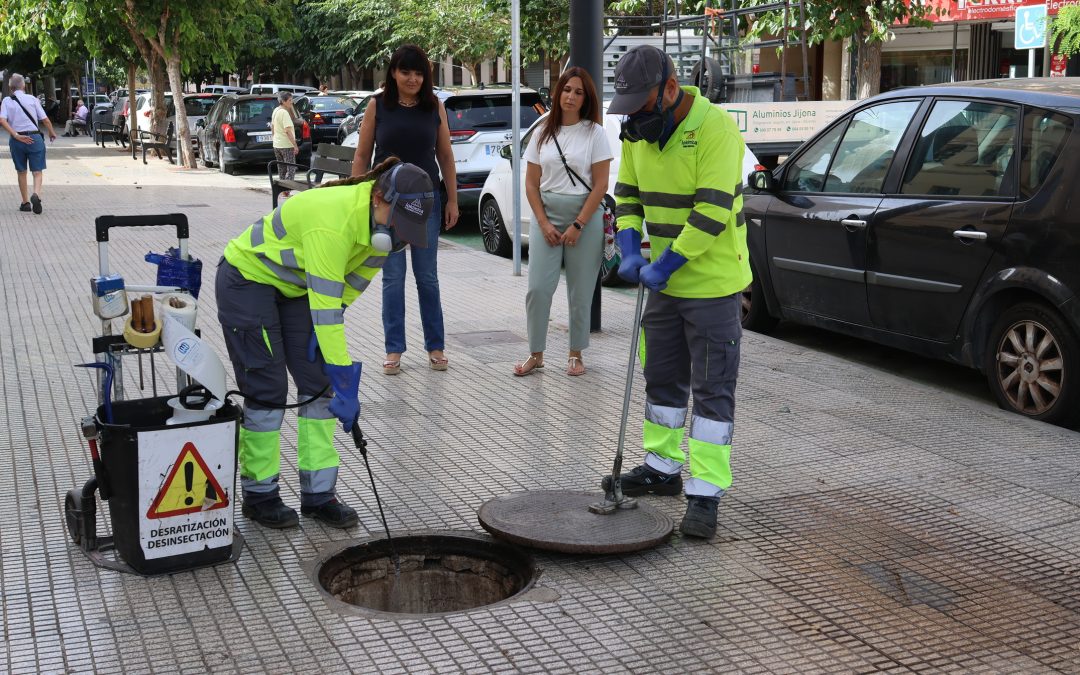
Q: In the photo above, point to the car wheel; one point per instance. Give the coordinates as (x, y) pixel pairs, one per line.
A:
(493, 231)
(753, 310)
(1033, 364)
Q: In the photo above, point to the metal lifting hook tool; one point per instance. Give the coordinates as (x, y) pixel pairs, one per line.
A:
(361, 445)
(615, 499)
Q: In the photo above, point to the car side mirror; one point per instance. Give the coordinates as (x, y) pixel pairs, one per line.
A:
(506, 152)
(201, 124)
(761, 180)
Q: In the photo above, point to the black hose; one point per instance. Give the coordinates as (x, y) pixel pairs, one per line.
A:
(204, 397)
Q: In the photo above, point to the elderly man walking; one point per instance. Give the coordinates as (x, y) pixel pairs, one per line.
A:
(20, 114)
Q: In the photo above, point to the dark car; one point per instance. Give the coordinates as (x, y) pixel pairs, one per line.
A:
(324, 115)
(938, 220)
(352, 122)
(236, 131)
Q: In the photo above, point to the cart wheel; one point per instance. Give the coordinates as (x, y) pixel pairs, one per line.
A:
(73, 515)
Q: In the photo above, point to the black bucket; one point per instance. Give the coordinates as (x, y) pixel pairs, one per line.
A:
(170, 488)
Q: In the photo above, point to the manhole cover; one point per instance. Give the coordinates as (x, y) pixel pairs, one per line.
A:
(440, 573)
(561, 521)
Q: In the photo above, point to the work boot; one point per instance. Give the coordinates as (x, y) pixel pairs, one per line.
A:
(700, 518)
(272, 513)
(642, 480)
(333, 513)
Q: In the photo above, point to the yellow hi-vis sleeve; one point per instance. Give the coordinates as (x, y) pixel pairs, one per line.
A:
(326, 259)
(629, 213)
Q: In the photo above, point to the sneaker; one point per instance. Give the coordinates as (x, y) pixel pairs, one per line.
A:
(35, 203)
(642, 480)
(333, 513)
(700, 518)
(26, 207)
(271, 513)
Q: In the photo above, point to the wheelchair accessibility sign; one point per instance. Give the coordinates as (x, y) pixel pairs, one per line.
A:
(1030, 27)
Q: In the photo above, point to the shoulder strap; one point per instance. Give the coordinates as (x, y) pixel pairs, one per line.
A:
(569, 171)
(28, 115)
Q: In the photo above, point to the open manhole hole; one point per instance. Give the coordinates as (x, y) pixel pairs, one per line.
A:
(441, 573)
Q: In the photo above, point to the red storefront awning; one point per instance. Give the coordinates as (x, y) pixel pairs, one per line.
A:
(985, 10)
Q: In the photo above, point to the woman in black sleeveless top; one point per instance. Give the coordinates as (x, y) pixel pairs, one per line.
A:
(407, 120)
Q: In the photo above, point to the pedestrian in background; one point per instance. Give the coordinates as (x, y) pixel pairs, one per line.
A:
(282, 124)
(680, 175)
(282, 289)
(409, 121)
(566, 179)
(78, 121)
(20, 114)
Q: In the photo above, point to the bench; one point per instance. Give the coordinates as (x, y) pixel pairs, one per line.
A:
(327, 158)
(149, 140)
(103, 130)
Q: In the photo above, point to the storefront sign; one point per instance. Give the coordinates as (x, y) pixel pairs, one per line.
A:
(784, 121)
(944, 11)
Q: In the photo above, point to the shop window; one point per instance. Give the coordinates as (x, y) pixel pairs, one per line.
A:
(915, 68)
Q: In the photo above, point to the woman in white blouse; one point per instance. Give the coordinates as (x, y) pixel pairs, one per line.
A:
(565, 181)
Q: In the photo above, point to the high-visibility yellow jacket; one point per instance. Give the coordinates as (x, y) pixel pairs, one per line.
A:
(319, 243)
(689, 196)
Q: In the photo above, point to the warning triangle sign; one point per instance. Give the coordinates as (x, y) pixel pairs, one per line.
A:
(189, 487)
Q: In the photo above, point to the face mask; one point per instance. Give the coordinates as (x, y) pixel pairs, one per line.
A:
(383, 238)
(653, 126)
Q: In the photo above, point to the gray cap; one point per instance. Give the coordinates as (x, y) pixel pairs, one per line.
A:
(636, 74)
(408, 188)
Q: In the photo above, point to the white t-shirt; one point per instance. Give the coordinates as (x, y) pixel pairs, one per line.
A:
(583, 144)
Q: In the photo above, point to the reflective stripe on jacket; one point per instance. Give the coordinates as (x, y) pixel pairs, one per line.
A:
(319, 243)
(689, 196)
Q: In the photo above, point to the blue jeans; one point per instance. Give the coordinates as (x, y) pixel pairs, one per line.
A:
(426, 270)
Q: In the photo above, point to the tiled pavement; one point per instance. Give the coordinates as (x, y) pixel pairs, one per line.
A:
(875, 524)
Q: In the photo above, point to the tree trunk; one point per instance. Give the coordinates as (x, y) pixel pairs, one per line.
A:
(186, 157)
(131, 99)
(158, 82)
(868, 70)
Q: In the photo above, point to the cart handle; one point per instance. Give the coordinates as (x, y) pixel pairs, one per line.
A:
(103, 223)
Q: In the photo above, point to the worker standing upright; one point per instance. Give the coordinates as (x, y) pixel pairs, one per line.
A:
(680, 174)
(282, 289)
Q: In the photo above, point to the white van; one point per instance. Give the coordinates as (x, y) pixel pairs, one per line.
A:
(275, 88)
(222, 89)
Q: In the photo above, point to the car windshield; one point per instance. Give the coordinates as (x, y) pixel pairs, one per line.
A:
(198, 106)
(255, 110)
(328, 103)
(489, 111)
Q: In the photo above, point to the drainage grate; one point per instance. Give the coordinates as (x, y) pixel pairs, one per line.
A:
(490, 337)
(441, 573)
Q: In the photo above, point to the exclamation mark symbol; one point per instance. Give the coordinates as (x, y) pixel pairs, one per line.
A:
(189, 478)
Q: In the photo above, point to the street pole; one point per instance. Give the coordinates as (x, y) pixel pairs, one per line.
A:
(587, 51)
(515, 143)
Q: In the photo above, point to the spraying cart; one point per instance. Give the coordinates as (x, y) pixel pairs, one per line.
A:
(165, 464)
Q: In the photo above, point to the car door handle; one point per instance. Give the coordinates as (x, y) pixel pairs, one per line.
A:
(853, 224)
(970, 235)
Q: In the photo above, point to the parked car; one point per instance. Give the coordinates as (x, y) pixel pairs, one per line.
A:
(236, 131)
(351, 123)
(196, 107)
(480, 125)
(937, 220)
(222, 89)
(275, 88)
(324, 115)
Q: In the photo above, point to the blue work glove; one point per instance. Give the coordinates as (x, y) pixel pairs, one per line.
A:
(345, 381)
(655, 275)
(629, 242)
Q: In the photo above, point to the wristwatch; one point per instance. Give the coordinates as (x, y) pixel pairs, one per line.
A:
(578, 225)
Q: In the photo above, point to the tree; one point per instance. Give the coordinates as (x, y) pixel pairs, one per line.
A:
(1065, 31)
(868, 23)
